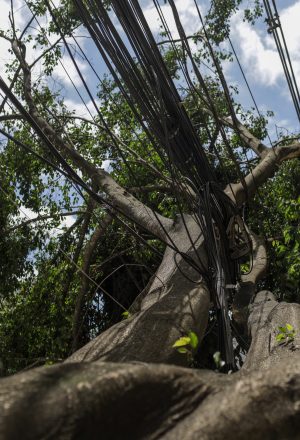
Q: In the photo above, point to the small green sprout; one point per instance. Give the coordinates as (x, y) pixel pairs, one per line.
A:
(187, 345)
(218, 361)
(285, 334)
(126, 314)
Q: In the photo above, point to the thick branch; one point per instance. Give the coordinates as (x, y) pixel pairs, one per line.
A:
(152, 188)
(150, 402)
(247, 137)
(13, 117)
(175, 301)
(185, 189)
(266, 316)
(262, 172)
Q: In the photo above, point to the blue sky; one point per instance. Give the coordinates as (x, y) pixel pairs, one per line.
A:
(255, 47)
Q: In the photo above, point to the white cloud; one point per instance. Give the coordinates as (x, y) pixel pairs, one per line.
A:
(28, 214)
(20, 19)
(66, 73)
(67, 221)
(261, 62)
(187, 13)
(86, 110)
(258, 50)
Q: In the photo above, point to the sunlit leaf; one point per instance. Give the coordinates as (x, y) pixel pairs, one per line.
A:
(182, 350)
(181, 342)
(194, 340)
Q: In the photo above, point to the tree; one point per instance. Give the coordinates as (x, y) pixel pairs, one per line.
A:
(132, 371)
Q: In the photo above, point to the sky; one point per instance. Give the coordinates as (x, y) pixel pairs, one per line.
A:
(255, 47)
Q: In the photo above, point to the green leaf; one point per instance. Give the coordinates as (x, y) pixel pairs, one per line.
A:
(182, 350)
(126, 314)
(282, 329)
(194, 340)
(280, 337)
(289, 327)
(217, 357)
(184, 340)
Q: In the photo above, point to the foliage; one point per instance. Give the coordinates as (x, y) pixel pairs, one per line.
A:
(218, 360)
(187, 345)
(285, 334)
(126, 314)
(274, 213)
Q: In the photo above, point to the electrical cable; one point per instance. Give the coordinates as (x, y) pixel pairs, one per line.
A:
(274, 22)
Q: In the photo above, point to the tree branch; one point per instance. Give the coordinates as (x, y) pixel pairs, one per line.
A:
(262, 172)
(151, 188)
(41, 218)
(44, 53)
(82, 233)
(184, 188)
(11, 117)
(247, 137)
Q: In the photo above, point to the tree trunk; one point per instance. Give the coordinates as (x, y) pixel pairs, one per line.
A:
(136, 388)
(175, 301)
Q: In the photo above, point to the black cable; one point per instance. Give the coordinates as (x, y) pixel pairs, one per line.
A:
(274, 23)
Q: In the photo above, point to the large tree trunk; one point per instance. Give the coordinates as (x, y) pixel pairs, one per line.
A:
(128, 382)
(175, 301)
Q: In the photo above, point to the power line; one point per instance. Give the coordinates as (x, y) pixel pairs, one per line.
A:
(276, 30)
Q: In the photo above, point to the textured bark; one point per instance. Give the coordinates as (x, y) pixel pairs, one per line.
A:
(170, 307)
(79, 400)
(117, 387)
(246, 290)
(265, 318)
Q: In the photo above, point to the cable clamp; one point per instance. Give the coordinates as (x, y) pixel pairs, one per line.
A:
(273, 23)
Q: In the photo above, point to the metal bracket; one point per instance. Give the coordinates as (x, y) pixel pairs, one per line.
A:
(273, 23)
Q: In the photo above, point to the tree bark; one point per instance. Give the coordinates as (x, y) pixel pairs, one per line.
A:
(130, 383)
(137, 400)
(175, 301)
